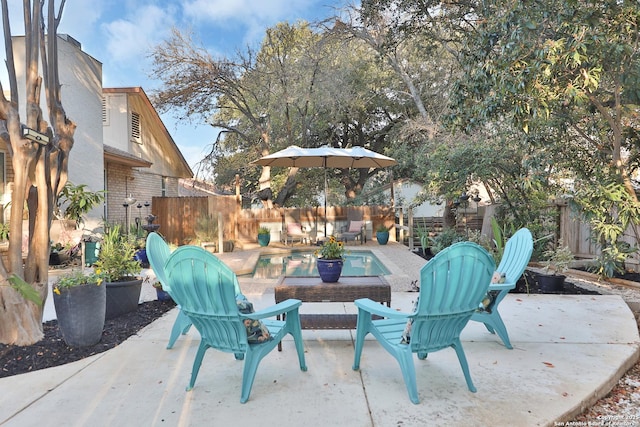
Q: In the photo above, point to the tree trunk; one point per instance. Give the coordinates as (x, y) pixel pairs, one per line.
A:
(39, 171)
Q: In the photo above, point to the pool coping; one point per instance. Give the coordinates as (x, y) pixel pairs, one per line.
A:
(403, 265)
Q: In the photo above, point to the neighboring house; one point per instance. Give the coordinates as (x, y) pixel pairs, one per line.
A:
(189, 187)
(404, 191)
(121, 145)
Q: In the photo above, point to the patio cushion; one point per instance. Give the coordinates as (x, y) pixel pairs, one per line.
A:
(355, 226)
(488, 300)
(257, 332)
(294, 229)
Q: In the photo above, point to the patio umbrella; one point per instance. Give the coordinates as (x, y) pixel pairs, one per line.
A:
(326, 157)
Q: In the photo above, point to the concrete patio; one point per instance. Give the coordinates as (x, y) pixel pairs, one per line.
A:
(569, 350)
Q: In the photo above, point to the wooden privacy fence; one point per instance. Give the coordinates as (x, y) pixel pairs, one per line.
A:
(177, 217)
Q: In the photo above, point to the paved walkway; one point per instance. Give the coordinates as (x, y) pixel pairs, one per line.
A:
(569, 350)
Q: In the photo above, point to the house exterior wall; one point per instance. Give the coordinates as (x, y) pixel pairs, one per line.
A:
(84, 98)
(115, 126)
(154, 145)
(81, 93)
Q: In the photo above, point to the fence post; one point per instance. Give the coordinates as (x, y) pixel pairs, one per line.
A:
(220, 233)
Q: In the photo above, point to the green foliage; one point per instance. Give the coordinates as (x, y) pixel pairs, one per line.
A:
(444, 239)
(26, 290)
(331, 249)
(206, 228)
(382, 228)
(476, 236)
(77, 278)
(115, 259)
(75, 201)
(558, 258)
(423, 235)
(264, 230)
(4, 231)
(609, 209)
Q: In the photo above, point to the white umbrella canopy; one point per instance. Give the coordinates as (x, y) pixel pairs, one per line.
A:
(326, 157)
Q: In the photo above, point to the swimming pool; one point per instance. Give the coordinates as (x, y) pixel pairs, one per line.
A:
(303, 263)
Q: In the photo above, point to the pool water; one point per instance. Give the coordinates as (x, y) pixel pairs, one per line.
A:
(357, 263)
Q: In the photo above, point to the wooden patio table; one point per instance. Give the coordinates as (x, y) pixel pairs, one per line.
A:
(347, 289)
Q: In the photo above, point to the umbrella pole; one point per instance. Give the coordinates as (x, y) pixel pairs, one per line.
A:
(325, 203)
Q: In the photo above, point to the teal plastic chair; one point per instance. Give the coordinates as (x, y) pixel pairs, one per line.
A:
(158, 252)
(452, 284)
(515, 258)
(207, 296)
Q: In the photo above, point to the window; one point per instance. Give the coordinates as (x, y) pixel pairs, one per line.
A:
(105, 111)
(135, 127)
(164, 186)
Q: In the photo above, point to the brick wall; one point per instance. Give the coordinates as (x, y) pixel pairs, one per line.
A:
(141, 185)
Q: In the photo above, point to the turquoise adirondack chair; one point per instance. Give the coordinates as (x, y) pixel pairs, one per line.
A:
(515, 258)
(452, 284)
(158, 252)
(207, 295)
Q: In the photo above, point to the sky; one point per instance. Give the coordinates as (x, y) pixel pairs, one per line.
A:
(121, 33)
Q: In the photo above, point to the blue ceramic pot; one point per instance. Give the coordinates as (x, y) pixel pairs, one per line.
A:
(382, 236)
(329, 269)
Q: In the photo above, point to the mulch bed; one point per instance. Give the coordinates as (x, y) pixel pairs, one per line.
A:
(53, 351)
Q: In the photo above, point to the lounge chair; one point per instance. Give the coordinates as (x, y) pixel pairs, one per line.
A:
(158, 252)
(295, 231)
(515, 258)
(207, 296)
(356, 230)
(452, 284)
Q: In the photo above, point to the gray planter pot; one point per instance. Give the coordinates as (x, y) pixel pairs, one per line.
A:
(550, 283)
(122, 297)
(81, 312)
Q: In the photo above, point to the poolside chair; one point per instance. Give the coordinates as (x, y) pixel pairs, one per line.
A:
(207, 296)
(295, 231)
(515, 258)
(158, 252)
(452, 284)
(356, 230)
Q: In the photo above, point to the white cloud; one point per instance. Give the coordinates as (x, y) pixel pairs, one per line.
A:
(250, 17)
(129, 39)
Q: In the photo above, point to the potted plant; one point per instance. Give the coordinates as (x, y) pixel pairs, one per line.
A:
(80, 302)
(75, 201)
(206, 229)
(141, 252)
(4, 235)
(120, 270)
(557, 262)
(330, 260)
(382, 234)
(264, 236)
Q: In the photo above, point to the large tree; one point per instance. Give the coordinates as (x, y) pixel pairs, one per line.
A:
(40, 171)
(303, 86)
(573, 65)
